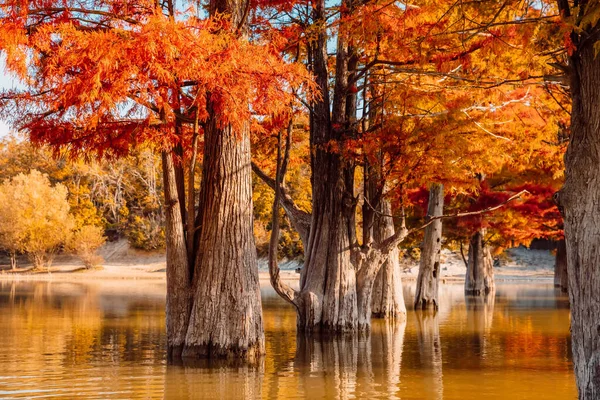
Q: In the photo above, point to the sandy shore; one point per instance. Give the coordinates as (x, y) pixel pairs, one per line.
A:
(141, 273)
(124, 263)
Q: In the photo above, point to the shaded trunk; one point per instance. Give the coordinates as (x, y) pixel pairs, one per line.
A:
(178, 272)
(479, 279)
(387, 298)
(429, 268)
(337, 280)
(579, 201)
(191, 198)
(226, 316)
(328, 279)
(561, 275)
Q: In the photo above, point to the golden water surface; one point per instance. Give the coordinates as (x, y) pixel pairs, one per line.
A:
(107, 340)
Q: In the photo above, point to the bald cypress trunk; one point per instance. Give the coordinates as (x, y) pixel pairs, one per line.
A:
(579, 200)
(13, 261)
(337, 280)
(387, 297)
(178, 272)
(226, 317)
(328, 280)
(479, 279)
(561, 275)
(213, 302)
(428, 279)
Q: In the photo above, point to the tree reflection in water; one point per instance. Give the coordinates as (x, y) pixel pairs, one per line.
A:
(346, 366)
(480, 312)
(430, 352)
(107, 340)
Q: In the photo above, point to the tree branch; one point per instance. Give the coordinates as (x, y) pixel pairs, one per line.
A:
(300, 219)
(462, 254)
(281, 288)
(399, 236)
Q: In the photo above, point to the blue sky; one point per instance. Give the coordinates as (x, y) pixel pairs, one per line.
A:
(6, 82)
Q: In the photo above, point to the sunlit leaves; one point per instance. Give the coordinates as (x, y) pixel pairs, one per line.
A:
(127, 79)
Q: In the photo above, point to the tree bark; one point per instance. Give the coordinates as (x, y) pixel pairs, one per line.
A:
(191, 197)
(561, 275)
(328, 279)
(337, 280)
(387, 297)
(226, 317)
(178, 272)
(213, 301)
(479, 279)
(428, 279)
(387, 300)
(579, 200)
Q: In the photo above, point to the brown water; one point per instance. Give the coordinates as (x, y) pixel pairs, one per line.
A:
(106, 340)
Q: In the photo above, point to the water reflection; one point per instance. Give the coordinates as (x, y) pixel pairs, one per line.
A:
(430, 353)
(480, 315)
(106, 339)
(201, 382)
(351, 366)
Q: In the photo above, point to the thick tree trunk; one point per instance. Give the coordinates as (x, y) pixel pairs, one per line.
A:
(178, 272)
(226, 317)
(561, 275)
(387, 297)
(328, 279)
(479, 279)
(213, 301)
(429, 268)
(579, 200)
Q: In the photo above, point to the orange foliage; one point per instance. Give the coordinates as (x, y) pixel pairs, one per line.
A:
(114, 75)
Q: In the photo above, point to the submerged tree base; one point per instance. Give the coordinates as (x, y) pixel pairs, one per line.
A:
(479, 279)
(250, 354)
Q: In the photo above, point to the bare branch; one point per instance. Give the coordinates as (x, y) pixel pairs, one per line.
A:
(281, 288)
(300, 219)
(399, 236)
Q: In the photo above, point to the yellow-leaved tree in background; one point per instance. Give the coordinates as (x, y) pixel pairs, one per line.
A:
(34, 218)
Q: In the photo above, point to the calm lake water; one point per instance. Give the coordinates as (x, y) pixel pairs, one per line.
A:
(106, 340)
